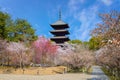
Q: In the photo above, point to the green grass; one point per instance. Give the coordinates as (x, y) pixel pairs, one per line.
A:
(110, 74)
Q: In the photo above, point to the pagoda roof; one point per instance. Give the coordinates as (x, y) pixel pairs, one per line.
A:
(59, 30)
(59, 22)
(59, 37)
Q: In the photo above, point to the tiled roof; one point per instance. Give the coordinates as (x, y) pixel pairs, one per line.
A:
(59, 22)
(59, 37)
(59, 30)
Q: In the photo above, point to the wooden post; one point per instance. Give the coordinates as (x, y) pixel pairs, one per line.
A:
(23, 71)
(37, 72)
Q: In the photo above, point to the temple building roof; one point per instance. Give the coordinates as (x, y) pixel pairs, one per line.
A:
(59, 37)
(59, 30)
(59, 22)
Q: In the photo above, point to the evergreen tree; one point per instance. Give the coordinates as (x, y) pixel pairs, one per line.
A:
(18, 30)
(22, 31)
(4, 18)
(95, 43)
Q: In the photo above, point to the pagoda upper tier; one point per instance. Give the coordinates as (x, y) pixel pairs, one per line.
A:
(59, 25)
(60, 32)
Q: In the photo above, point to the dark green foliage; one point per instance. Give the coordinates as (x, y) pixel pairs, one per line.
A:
(94, 43)
(75, 42)
(75, 70)
(21, 31)
(4, 18)
(18, 30)
(109, 73)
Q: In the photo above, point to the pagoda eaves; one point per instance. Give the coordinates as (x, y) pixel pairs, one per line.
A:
(60, 31)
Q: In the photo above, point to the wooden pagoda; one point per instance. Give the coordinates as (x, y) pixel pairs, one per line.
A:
(60, 31)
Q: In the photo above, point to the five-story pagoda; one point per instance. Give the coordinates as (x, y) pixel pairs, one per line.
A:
(60, 31)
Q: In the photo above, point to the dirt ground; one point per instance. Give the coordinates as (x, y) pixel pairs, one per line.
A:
(34, 70)
(39, 73)
(72, 76)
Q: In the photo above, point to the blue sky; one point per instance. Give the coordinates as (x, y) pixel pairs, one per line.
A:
(81, 15)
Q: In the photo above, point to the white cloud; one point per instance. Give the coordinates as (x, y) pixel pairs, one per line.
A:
(4, 9)
(37, 26)
(107, 2)
(73, 4)
(87, 18)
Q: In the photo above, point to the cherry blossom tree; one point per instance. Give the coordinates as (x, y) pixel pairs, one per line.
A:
(77, 59)
(109, 58)
(3, 54)
(17, 54)
(45, 51)
(109, 28)
(109, 31)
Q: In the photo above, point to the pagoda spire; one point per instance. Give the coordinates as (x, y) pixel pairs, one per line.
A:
(59, 14)
(60, 31)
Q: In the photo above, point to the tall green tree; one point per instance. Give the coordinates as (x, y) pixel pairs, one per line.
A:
(95, 43)
(18, 30)
(4, 18)
(21, 31)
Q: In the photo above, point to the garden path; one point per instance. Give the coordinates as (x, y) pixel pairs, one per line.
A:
(98, 74)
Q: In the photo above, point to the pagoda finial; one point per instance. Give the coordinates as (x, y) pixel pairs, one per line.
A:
(59, 14)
